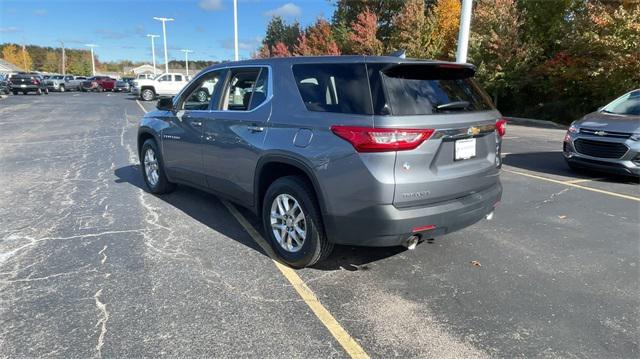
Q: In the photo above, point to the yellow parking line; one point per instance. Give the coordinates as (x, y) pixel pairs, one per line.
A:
(585, 180)
(614, 194)
(142, 107)
(347, 342)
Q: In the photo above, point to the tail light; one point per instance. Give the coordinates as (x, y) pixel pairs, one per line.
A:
(370, 139)
(501, 127)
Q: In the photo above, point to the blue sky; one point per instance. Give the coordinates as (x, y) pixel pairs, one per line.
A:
(119, 27)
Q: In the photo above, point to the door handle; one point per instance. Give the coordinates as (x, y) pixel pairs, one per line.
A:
(196, 123)
(255, 128)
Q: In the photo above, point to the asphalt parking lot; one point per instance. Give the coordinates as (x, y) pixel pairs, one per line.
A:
(93, 266)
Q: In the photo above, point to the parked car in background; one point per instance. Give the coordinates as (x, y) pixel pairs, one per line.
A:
(99, 84)
(145, 77)
(74, 82)
(26, 82)
(5, 88)
(369, 151)
(167, 84)
(607, 140)
(55, 83)
(124, 84)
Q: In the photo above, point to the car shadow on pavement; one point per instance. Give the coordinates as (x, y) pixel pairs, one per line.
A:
(206, 209)
(553, 163)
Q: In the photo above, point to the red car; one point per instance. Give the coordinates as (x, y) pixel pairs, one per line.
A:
(98, 83)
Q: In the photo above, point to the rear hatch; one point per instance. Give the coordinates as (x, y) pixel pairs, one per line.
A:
(459, 157)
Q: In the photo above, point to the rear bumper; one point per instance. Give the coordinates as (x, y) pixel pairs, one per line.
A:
(386, 225)
(27, 88)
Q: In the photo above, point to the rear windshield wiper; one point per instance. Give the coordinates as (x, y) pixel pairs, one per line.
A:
(455, 105)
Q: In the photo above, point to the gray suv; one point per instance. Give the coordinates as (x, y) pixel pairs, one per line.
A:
(370, 151)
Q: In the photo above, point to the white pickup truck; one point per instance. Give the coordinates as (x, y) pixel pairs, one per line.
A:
(167, 84)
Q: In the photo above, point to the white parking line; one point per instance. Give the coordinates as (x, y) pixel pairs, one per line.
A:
(142, 107)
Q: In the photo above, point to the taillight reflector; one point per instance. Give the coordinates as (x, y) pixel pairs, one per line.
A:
(423, 228)
(501, 127)
(370, 139)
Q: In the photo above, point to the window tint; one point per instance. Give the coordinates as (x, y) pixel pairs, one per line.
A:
(260, 90)
(178, 77)
(201, 93)
(165, 78)
(341, 88)
(423, 89)
(239, 89)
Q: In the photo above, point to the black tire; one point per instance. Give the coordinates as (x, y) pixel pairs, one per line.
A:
(39, 92)
(61, 88)
(163, 185)
(24, 92)
(316, 246)
(15, 93)
(46, 91)
(147, 94)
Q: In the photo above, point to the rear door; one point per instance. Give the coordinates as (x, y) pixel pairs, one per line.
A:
(459, 158)
(234, 134)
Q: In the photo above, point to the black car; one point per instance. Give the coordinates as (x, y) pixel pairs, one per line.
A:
(28, 82)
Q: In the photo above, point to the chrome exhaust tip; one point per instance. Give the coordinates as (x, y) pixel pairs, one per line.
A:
(489, 216)
(412, 242)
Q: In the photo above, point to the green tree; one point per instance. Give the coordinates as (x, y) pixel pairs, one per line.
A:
(280, 32)
(415, 32)
(51, 62)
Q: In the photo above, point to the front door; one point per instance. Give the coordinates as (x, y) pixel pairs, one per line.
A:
(182, 140)
(233, 135)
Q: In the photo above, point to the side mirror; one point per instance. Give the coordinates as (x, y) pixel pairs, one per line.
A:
(600, 108)
(165, 104)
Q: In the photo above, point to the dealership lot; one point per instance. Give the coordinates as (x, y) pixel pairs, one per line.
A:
(91, 265)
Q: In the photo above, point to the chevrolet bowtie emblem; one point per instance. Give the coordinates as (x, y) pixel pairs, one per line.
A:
(473, 131)
(601, 133)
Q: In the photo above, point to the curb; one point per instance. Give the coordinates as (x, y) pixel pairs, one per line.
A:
(534, 123)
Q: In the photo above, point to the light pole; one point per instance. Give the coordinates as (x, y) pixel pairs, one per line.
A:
(153, 52)
(235, 28)
(463, 34)
(186, 59)
(164, 36)
(93, 62)
(64, 72)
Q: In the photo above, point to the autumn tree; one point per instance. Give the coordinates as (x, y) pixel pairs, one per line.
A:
(317, 40)
(362, 37)
(447, 17)
(280, 50)
(279, 32)
(17, 56)
(414, 31)
(496, 45)
(347, 12)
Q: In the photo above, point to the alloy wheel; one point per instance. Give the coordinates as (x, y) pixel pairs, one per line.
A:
(151, 169)
(288, 222)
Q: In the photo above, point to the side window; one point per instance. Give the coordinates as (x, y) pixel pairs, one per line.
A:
(260, 90)
(341, 88)
(200, 94)
(237, 94)
(178, 77)
(165, 78)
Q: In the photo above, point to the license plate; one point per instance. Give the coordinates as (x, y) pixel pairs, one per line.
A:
(23, 85)
(465, 149)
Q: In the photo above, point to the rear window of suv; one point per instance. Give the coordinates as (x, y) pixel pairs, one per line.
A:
(390, 89)
(425, 89)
